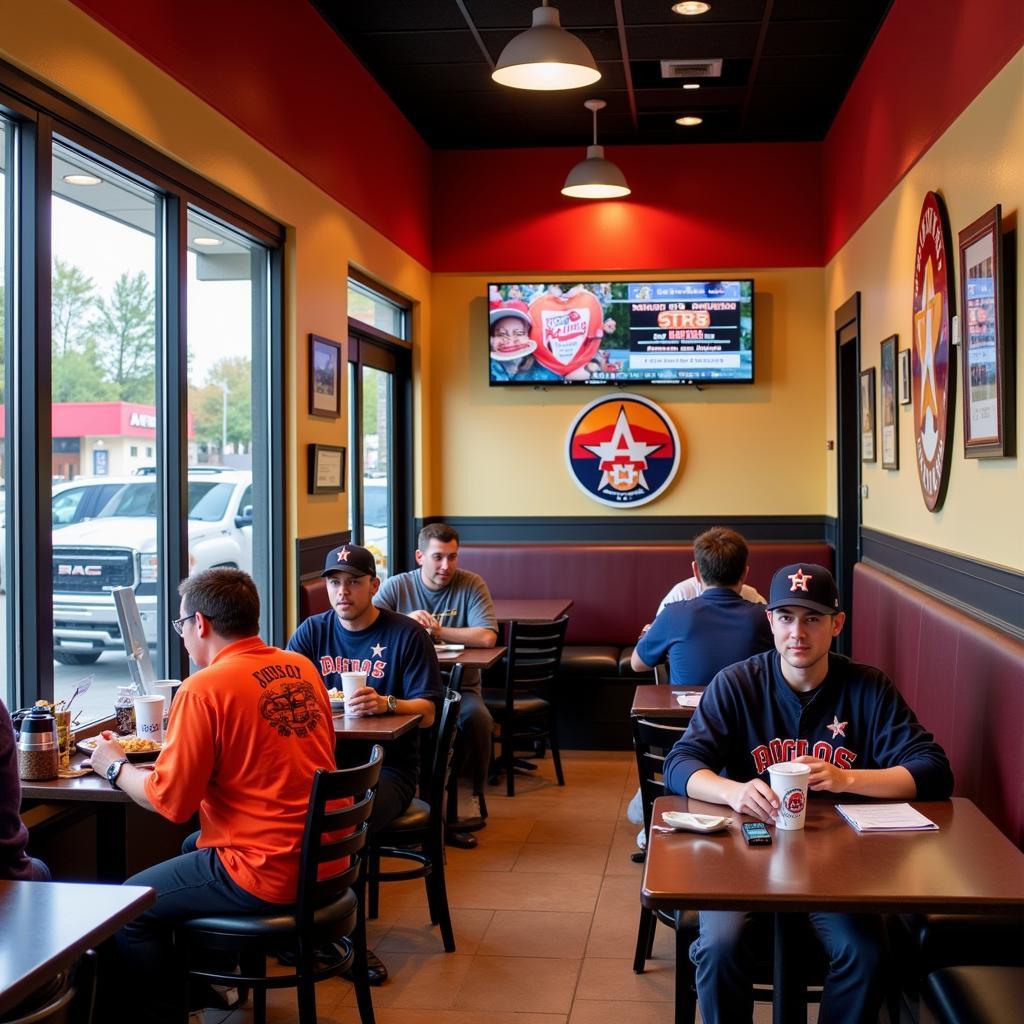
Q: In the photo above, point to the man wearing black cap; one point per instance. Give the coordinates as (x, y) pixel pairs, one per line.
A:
(397, 656)
(803, 703)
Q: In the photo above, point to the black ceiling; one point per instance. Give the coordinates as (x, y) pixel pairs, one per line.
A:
(786, 66)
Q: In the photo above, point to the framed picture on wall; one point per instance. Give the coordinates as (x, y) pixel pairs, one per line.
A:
(867, 415)
(986, 350)
(324, 377)
(890, 417)
(326, 469)
(904, 377)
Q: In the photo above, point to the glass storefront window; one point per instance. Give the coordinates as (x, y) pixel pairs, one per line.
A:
(7, 690)
(370, 307)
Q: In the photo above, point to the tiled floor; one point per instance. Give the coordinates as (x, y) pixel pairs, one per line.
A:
(545, 913)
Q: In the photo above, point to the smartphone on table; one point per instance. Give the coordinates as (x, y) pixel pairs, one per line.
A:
(756, 833)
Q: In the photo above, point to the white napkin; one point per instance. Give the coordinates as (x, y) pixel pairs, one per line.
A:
(694, 822)
(688, 700)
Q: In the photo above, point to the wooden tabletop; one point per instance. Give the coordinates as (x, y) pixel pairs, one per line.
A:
(47, 926)
(90, 787)
(659, 702)
(373, 728)
(473, 657)
(531, 609)
(967, 865)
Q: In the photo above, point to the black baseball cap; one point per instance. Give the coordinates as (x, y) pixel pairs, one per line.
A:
(804, 585)
(351, 559)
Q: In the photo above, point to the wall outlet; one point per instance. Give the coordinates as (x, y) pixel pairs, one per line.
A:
(863, 490)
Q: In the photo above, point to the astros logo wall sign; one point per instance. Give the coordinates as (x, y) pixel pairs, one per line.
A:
(932, 368)
(622, 450)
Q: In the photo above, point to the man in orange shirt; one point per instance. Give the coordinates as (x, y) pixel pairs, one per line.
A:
(244, 738)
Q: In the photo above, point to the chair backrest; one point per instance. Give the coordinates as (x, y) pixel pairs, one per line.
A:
(333, 841)
(661, 674)
(652, 741)
(534, 654)
(433, 788)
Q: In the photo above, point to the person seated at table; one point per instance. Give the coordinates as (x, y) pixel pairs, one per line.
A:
(15, 863)
(715, 629)
(454, 606)
(849, 723)
(245, 736)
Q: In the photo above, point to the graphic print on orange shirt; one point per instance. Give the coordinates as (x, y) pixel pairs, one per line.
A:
(567, 329)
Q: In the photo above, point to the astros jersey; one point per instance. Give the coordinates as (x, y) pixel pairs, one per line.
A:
(749, 718)
(245, 736)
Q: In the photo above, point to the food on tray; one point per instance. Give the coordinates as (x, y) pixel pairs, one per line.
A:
(335, 694)
(131, 744)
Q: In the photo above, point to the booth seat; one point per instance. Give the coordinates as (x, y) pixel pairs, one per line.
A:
(963, 678)
(616, 590)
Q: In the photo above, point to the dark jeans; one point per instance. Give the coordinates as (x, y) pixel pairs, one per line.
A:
(475, 729)
(725, 955)
(191, 885)
(394, 794)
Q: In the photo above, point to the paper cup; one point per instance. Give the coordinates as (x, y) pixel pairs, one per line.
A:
(350, 682)
(166, 688)
(789, 781)
(149, 717)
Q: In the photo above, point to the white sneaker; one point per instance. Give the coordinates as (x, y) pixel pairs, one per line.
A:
(641, 839)
(469, 806)
(635, 810)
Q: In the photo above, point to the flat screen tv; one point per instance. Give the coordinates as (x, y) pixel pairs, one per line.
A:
(621, 332)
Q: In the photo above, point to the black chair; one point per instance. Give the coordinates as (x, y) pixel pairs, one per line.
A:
(973, 994)
(418, 834)
(661, 674)
(328, 906)
(523, 710)
(70, 999)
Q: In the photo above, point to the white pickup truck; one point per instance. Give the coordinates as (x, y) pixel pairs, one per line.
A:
(118, 548)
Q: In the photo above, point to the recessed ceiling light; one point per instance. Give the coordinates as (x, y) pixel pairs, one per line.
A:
(205, 240)
(691, 85)
(691, 7)
(82, 179)
(689, 121)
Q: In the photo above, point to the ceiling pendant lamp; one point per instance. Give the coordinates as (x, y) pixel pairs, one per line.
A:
(546, 57)
(595, 177)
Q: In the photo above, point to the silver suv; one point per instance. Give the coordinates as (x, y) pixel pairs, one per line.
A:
(118, 549)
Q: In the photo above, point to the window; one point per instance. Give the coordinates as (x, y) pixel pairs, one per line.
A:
(7, 690)
(383, 312)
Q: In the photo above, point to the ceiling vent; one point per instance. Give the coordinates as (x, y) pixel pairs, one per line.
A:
(710, 67)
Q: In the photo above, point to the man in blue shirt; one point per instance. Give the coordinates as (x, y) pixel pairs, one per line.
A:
(702, 636)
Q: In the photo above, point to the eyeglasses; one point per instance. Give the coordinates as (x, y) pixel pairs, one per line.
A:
(179, 624)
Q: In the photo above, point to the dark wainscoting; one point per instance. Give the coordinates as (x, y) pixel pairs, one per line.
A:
(310, 553)
(987, 592)
(630, 529)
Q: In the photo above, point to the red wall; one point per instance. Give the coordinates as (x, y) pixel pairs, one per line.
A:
(692, 206)
(276, 69)
(928, 62)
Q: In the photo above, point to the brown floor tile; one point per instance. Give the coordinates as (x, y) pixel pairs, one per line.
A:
(521, 890)
(420, 982)
(613, 980)
(535, 933)
(583, 833)
(561, 858)
(466, 1017)
(412, 932)
(507, 830)
(489, 855)
(527, 983)
(599, 1011)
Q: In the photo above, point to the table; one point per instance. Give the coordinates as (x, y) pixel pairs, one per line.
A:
(373, 728)
(531, 609)
(967, 866)
(47, 926)
(474, 657)
(659, 703)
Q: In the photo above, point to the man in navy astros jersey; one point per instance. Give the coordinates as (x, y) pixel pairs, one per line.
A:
(397, 656)
(847, 721)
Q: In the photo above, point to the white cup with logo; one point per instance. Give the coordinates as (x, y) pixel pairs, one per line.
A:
(788, 780)
(149, 717)
(166, 688)
(350, 682)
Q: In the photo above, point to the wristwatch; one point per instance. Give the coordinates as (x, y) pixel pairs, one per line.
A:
(114, 769)
(392, 705)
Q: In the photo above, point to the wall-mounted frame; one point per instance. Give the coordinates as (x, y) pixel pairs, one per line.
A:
(324, 377)
(867, 415)
(986, 348)
(904, 377)
(326, 469)
(890, 413)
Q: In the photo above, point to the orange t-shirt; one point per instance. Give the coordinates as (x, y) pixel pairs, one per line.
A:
(244, 738)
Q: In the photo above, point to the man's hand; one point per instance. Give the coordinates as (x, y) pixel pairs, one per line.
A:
(755, 798)
(826, 776)
(108, 750)
(427, 621)
(366, 701)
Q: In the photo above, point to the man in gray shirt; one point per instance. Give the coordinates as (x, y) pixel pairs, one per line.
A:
(454, 606)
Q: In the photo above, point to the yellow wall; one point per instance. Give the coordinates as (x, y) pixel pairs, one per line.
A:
(978, 162)
(57, 43)
(503, 449)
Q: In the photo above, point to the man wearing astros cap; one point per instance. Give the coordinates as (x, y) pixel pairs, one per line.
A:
(800, 702)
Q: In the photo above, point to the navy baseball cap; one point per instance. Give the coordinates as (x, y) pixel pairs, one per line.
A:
(351, 559)
(804, 585)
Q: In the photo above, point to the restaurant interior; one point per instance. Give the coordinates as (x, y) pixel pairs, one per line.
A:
(252, 260)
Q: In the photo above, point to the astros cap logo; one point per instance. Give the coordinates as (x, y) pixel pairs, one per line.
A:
(800, 579)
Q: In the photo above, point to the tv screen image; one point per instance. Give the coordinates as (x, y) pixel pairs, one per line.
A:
(622, 332)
